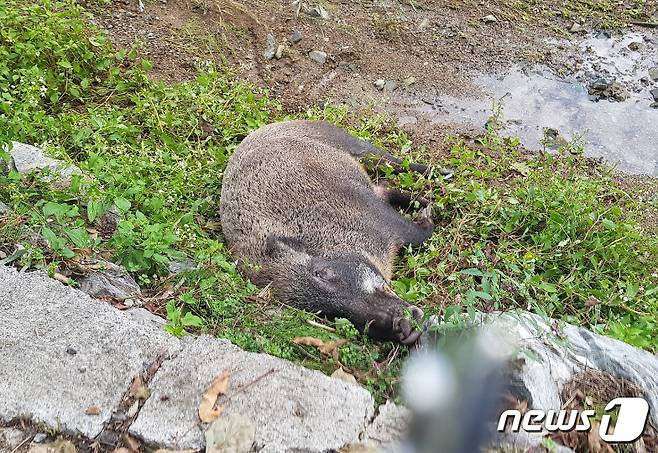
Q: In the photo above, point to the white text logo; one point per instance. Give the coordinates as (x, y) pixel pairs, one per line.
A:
(631, 420)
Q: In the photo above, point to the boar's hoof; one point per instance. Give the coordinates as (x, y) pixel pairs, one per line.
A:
(407, 331)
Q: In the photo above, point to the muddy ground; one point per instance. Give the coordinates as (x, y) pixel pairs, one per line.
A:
(380, 54)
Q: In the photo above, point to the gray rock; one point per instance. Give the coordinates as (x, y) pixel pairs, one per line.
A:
(39, 438)
(654, 93)
(294, 409)
(602, 88)
(27, 158)
(318, 56)
(270, 47)
(379, 84)
(490, 18)
(10, 438)
(109, 280)
(3, 208)
(617, 92)
(41, 318)
(654, 105)
(653, 74)
(176, 267)
(553, 139)
(600, 84)
(316, 11)
(576, 28)
(295, 37)
(390, 85)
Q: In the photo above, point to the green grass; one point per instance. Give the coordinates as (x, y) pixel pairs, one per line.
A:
(544, 233)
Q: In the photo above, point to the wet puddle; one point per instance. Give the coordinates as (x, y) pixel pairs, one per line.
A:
(605, 104)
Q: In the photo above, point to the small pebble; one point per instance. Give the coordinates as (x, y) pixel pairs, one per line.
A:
(296, 36)
(39, 437)
(390, 85)
(71, 351)
(318, 56)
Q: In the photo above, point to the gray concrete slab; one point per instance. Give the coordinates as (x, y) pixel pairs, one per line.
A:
(62, 352)
(295, 409)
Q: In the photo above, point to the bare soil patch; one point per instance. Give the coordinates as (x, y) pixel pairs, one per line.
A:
(417, 45)
(379, 53)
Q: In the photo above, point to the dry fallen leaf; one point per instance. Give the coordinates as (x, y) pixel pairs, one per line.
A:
(138, 389)
(142, 393)
(93, 410)
(309, 341)
(61, 278)
(207, 411)
(132, 443)
(327, 348)
(331, 347)
(344, 376)
(135, 385)
(594, 442)
(591, 301)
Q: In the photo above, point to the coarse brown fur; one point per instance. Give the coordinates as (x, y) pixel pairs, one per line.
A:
(297, 204)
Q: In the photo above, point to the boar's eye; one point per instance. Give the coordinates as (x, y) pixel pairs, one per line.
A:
(325, 274)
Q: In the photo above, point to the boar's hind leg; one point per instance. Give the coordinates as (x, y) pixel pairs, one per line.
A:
(415, 233)
(362, 149)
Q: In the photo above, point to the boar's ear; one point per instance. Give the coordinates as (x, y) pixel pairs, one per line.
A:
(282, 247)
